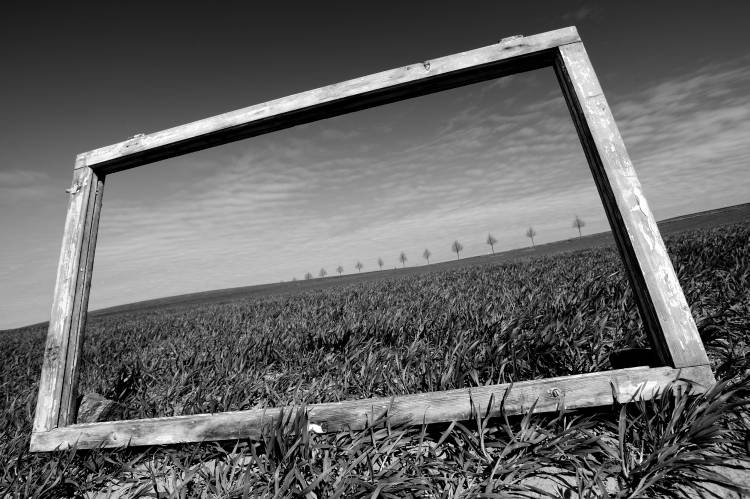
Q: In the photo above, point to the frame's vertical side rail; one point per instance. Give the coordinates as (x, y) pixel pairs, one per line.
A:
(56, 399)
(68, 401)
(661, 302)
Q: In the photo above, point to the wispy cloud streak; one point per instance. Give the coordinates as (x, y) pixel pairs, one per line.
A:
(327, 195)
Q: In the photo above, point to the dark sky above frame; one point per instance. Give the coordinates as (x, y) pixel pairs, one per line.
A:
(399, 178)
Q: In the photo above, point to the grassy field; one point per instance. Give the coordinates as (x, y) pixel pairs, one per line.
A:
(456, 327)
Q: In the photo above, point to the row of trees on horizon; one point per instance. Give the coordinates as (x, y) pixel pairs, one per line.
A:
(456, 247)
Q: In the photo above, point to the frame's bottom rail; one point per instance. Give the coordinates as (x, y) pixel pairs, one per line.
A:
(577, 391)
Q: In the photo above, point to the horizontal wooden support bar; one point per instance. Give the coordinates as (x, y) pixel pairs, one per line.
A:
(578, 391)
(509, 56)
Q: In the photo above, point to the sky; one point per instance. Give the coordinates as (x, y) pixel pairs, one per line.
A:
(495, 157)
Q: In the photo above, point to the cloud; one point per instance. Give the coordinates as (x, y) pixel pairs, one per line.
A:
(22, 186)
(688, 137)
(580, 14)
(336, 134)
(21, 178)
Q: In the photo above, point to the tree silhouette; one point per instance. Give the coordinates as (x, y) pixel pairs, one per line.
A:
(426, 255)
(359, 266)
(491, 241)
(577, 224)
(402, 258)
(339, 269)
(380, 263)
(308, 276)
(294, 279)
(531, 233)
(322, 273)
(456, 247)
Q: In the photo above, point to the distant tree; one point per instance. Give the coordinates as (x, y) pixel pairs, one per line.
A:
(359, 266)
(577, 224)
(308, 276)
(531, 233)
(491, 241)
(380, 263)
(322, 273)
(457, 247)
(294, 279)
(426, 255)
(402, 258)
(339, 269)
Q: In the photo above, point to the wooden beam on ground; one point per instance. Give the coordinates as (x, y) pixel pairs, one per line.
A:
(578, 391)
(509, 56)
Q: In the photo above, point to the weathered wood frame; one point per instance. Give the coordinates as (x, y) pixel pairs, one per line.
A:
(661, 302)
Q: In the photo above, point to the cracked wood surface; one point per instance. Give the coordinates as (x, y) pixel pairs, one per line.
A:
(56, 398)
(544, 395)
(661, 301)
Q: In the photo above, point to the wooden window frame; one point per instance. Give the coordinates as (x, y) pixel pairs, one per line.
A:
(660, 299)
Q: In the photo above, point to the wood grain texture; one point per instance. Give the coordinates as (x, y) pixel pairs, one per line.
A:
(512, 55)
(56, 398)
(585, 390)
(68, 402)
(661, 302)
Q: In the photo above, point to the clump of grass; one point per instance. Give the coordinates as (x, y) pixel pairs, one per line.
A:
(680, 440)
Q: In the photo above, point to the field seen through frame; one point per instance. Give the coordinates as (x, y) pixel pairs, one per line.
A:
(531, 319)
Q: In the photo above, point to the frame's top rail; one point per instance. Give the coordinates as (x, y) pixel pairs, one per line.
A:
(511, 55)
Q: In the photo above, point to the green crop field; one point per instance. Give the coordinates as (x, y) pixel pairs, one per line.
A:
(548, 316)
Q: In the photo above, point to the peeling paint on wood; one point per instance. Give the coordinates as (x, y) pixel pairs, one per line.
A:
(660, 299)
(56, 393)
